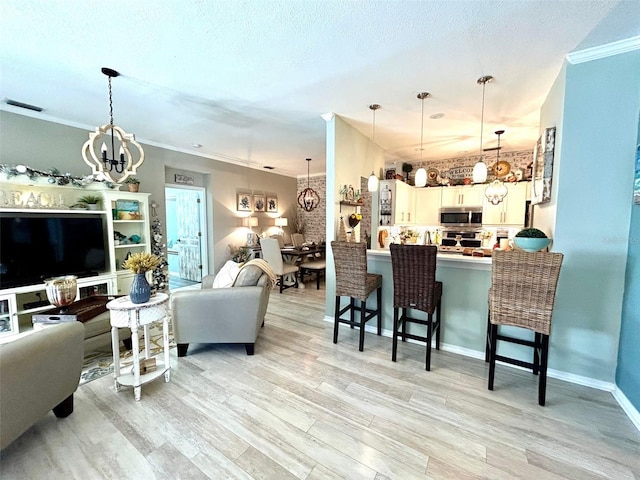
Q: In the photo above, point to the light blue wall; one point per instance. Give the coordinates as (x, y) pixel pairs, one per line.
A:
(628, 373)
(601, 104)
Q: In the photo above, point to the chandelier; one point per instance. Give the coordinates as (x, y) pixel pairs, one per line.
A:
(497, 190)
(421, 174)
(480, 168)
(308, 199)
(111, 137)
(372, 183)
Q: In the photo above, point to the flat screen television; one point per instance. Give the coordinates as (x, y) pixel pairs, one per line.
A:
(36, 246)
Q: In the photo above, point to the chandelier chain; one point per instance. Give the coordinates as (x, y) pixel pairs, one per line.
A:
(110, 103)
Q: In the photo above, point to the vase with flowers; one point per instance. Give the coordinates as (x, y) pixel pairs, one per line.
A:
(139, 264)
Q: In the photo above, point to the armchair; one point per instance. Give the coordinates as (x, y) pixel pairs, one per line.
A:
(39, 371)
(223, 315)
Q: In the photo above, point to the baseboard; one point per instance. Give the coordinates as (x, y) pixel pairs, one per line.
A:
(627, 406)
(622, 400)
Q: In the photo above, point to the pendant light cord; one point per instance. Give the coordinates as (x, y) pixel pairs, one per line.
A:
(484, 84)
(110, 103)
(422, 130)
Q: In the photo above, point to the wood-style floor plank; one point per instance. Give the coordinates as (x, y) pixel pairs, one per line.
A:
(305, 408)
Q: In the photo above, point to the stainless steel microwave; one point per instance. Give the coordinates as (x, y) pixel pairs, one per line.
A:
(461, 217)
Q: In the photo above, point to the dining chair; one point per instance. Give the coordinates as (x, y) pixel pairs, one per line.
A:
(272, 254)
(353, 281)
(297, 239)
(280, 240)
(415, 288)
(522, 294)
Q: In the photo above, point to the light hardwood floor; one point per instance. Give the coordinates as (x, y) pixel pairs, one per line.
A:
(302, 407)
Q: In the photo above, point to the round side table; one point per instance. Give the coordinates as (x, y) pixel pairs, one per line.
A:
(124, 314)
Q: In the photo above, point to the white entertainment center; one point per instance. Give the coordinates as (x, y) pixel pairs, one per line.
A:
(126, 229)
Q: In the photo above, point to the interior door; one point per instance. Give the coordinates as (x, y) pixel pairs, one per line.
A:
(189, 234)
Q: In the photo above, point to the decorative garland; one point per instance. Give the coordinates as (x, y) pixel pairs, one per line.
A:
(53, 176)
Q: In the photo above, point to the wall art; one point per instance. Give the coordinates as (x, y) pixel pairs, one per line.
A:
(543, 167)
(272, 204)
(244, 202)
(259, 203)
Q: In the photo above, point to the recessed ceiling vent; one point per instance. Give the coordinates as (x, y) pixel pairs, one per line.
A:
(268, 167)
(23, 105)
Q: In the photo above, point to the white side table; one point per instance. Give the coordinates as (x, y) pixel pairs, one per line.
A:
(124, 314)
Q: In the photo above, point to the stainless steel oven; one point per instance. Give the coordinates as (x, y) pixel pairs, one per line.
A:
(461, 217)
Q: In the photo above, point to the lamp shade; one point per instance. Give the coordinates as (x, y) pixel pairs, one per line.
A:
(372, 184)
(480, 172)
(281, 222)
(421, 177)
(250, 221)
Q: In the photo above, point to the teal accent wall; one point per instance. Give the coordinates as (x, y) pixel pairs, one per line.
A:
(595, 180)
(628, 372)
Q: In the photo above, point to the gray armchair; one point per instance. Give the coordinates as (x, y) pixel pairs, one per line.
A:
(39, 372)
(223, 315)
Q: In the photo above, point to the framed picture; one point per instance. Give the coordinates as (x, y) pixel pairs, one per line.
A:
(259, 203)
(272, 204)
(542, 169)
(244, 202)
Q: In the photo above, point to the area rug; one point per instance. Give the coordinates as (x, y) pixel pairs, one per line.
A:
(97, 364)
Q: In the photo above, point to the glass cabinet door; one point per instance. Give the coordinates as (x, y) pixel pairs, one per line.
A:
(8, 319)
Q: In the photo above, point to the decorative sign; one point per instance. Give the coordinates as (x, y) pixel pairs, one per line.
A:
(31, 199)
(184, 179)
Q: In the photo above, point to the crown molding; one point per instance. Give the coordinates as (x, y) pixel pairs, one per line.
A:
(603, 51)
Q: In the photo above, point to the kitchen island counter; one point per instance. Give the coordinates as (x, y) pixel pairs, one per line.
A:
(466, 281)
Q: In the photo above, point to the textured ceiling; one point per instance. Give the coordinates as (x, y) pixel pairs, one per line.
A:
(249, 80)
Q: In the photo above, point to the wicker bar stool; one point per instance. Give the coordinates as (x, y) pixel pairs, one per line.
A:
(352, 280)
(415, 287)
(522, 294)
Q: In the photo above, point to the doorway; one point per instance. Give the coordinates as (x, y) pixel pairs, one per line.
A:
(186, 236)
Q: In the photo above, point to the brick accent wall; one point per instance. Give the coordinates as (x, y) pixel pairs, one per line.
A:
(314, 221)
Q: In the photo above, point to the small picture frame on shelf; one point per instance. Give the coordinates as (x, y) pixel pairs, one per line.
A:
(244, 202)
(259, 203)
(128, 210)
(272, 204)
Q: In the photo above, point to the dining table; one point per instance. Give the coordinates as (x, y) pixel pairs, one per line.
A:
(294, 255)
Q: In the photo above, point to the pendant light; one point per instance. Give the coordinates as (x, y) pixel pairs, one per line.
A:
(372, 184)
(308, 199)
(421, 174)
(107, 164)
(480, 168)
(497, 190)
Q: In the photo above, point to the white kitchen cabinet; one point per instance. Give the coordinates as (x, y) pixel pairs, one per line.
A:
(511, 210)
(463, 196)
(428, 202)
(401, 209)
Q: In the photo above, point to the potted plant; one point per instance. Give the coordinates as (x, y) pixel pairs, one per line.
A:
(133, 183)
(91, 201)
(139, 264)
(531, 240)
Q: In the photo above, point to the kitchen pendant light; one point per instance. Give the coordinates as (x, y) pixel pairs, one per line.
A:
(308, 199)
(480, 168)
(421, 174)
(497, 190)
(373, 182)
(107, 164)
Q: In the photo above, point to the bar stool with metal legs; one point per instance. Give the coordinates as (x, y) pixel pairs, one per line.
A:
(522, 294)
(352, 280)
(415, 287)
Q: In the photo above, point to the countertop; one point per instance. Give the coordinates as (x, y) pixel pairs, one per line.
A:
(454, 260)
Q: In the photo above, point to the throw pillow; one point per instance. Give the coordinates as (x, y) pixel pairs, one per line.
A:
(227, 275)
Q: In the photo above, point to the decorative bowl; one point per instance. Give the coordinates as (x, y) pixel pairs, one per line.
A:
(530, 244)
